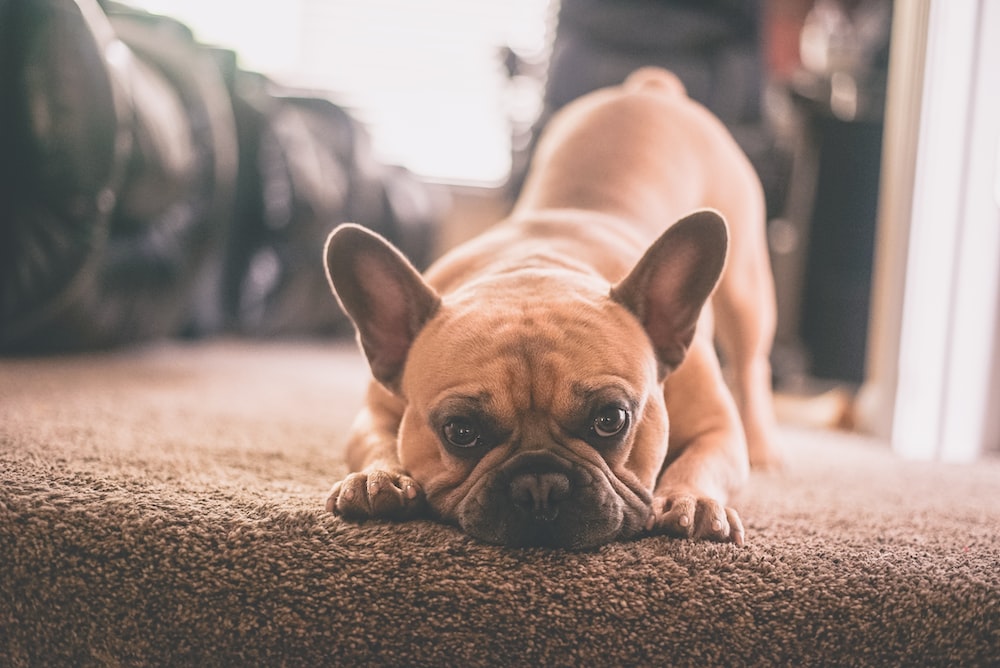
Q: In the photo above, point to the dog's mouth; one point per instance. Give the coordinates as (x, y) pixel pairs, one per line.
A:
(540, 499)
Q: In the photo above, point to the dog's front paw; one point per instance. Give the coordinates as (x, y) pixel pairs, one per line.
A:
(687, 515)
(376, 494)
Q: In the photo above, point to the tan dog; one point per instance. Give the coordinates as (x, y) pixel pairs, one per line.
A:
(524, 385)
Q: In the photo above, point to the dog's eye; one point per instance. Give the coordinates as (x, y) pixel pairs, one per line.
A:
(461, 433)
(610, 421)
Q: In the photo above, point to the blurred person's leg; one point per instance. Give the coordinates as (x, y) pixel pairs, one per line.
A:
(714, 46)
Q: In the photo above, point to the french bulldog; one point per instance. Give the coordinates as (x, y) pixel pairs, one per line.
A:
(555, 381)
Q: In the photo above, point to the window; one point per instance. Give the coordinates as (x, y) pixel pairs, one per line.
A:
(427, 78)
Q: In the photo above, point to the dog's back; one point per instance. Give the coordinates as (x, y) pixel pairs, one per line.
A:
(643, 151)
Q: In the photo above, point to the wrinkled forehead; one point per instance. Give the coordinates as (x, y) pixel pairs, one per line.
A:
(532, 354)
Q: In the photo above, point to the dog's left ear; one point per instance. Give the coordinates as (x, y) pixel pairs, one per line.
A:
(383, 294)
(669, 285)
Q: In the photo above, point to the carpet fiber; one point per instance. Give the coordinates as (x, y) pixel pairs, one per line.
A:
(164, 506)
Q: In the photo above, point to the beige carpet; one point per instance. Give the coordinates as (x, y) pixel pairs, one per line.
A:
(164, 506)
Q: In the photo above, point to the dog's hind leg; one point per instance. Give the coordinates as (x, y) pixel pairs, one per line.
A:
(745, 319)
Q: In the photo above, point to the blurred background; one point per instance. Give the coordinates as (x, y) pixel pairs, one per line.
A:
(171, 169)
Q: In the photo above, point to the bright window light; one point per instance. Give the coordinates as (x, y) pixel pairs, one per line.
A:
(425, 77)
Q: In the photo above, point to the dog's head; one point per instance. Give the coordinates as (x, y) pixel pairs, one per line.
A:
(534, 402)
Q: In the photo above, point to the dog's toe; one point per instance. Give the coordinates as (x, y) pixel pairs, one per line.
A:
(349, 497)
(393, 496)
(702, 518)
(736, 532)
(676, 515)
(376, 494)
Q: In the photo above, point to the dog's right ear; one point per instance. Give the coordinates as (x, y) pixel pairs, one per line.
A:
(382, 293)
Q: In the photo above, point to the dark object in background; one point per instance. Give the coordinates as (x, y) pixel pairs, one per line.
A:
(136, 204)
(118, 174)
(839, 97)
(305, 166)
(714, 46)
(837, 285)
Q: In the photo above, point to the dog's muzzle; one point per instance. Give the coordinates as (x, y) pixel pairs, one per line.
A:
(537, 496)
(541, 498)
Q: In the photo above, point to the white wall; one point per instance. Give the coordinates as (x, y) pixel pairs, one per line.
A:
(931, 390)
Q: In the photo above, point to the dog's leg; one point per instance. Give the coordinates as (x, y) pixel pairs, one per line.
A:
(745, 321)
(389, 303)
(707, 458)
(746, 314)
(378, 486)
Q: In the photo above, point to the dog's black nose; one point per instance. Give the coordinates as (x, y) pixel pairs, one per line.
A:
(538, 494)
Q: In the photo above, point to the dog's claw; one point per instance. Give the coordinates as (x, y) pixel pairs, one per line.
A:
(376, 494)
(686, 515)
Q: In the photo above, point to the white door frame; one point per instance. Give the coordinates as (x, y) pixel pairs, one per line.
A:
(933, 348)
